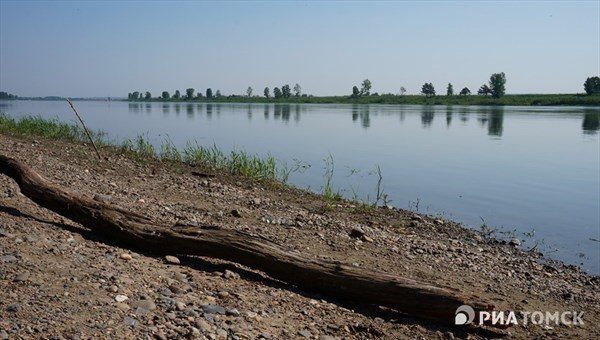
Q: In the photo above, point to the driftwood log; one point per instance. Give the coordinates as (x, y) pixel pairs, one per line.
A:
(348, 283)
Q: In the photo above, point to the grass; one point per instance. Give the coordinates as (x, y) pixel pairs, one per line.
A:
(237, 163)
(53, 129)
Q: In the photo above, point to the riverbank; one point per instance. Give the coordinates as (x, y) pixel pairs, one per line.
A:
(507, 100)
(58, 279)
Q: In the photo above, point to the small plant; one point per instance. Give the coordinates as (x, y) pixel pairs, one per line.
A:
(328, 193)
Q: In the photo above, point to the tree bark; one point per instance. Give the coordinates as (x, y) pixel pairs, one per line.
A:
(337, 280)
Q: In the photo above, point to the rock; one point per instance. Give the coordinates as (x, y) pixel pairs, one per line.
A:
(122, 306)
(305, 333)
(236, 213)
(222, 333)
(13, 307)
(213, 309)
(179, 305)
(256, 201)
(172, 259)
(102, 198)
(203, 325)
(141, 200)
(126, 257)
(4, 233)
(515, 242)
(366, 238)
(231, 275)
(146, 304)
(8, 258)
(23, 276)
(357, 233)
(129, 321)
(121, 298)
(3, 335)
(232, 312)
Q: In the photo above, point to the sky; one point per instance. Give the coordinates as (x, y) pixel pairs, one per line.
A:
(111, 48)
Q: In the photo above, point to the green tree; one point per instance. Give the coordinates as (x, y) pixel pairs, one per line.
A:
(450, 90)
(497, 84)
(277, 93)
(592, 85)
(465, 91)
(355, 92)
(484, 90)
(130, 96)
(135, 95)
(189, 93)
(365, 89)
(209, 93)
(249, 91)
(218, 94)
(402, 90)
(297, 90)
(286, 92)
(148, 96)
(199, 95)
(177, 94)
(428, 90)
(166, 95)
(266, 92)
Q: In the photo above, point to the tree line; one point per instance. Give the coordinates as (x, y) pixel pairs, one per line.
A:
(496, 87)
(284, 91)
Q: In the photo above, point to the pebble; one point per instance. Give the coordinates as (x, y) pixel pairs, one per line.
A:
(213, 309)
(8, 258)
(236, 213)
(121, 298)
(231, 275)
(129, 321)
(122, 306)
(3, 335)
(232, 312)
(126, 256)
(180, 305)
(515, 242)
(172, 259)
(305, 333)
(357, 233)
(102, 198)
(146, 304)
(221, 333)
(23, 276)
(203, 325)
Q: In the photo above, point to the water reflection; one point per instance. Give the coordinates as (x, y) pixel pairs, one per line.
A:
(427, 114)
(209, 110)
(363, 113)
(166, 108)
(189, 110)
(148, 108)
(266, 111)
(496, 121)
(591, 123)
(449, 114)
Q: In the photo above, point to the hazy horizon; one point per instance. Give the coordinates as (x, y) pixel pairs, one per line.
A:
(108, 49)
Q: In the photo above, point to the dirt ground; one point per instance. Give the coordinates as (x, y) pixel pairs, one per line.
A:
(60, 281)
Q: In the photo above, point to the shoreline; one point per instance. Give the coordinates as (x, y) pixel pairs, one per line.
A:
(399, 242)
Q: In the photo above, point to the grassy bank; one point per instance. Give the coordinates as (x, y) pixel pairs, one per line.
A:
(510, 100)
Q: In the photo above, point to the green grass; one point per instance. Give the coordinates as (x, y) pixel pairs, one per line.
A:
(48, 128)
(239, 163)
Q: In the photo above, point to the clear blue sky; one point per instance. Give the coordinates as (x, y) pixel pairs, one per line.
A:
(110, 48)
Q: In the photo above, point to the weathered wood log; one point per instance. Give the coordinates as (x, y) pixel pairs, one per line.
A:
(349, 283)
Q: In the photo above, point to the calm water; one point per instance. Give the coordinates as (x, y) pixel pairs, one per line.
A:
(524, 170)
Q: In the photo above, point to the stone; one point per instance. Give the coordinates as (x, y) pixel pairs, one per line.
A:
(231, 275)
(222, 333)
(236, 213)
(305, 333)
(13, 307)
(213, 309)
(23, 276)
(232, 312)
(121, 298)
(129, 321)
(203, 325)
(3, 335)
(357, 233)
(146, 304)
(172, 259)
(179, 305)
(515, 242)
(8, 258)
(366, 238)
(126, 257)
(122, 306)
(102, 198)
